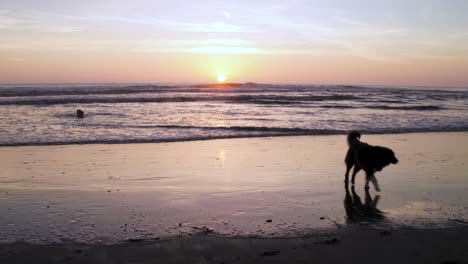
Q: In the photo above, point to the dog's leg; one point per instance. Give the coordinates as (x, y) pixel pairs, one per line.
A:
(350, 162)
(369, 175)
(374, 181)
(346, 176)
(355, 171)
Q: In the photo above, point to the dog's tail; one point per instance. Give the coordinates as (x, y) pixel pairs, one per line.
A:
(353, 136)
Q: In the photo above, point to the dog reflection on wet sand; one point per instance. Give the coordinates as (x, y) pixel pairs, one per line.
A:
(357, 212)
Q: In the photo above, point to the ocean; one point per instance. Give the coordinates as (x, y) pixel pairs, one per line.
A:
(123, 113)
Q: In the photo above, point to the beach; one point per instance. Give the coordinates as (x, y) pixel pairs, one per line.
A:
(225, 132)
(233, 200)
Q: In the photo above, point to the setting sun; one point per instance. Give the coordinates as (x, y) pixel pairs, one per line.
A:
(221, 77)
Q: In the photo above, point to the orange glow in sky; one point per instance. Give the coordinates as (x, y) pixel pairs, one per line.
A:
(301, 42)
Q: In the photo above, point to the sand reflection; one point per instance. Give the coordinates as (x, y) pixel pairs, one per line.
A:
(356, 211)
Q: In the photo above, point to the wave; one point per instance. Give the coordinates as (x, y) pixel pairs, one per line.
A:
(416, 107)
(267, 100)
(46, 90)
(386, 107)
(28, 91)
(32, 91)
(263, 132)
(253, 99)
(120, 89)
(236, 128)
(296, 130)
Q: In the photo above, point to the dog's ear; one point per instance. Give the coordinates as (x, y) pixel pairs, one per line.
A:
(354, 134)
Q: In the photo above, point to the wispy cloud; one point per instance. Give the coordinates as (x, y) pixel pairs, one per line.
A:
(207, 27)
(225, 50)
(229, 28)
(50, 22)
(214, 46)
(33, 22)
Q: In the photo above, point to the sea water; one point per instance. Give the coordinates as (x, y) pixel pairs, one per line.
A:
(123, 113)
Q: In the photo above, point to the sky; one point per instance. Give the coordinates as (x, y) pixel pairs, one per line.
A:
(414, 43)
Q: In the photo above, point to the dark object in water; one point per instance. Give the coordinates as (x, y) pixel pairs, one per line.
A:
(79, 113)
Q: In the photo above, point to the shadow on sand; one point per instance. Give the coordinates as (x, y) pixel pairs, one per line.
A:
(357, 212)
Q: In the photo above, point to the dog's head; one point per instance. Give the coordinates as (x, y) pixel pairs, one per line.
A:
(353, 136)
(391, 157)
(387, 156)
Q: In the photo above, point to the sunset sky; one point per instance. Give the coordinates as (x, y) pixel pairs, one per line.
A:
(305, 42)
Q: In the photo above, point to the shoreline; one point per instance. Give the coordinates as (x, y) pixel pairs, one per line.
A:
(338, 133)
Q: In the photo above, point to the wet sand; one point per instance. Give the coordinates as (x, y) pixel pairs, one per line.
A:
(199, 197)
(343, 246)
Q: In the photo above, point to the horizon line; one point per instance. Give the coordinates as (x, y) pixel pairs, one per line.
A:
(232, 83)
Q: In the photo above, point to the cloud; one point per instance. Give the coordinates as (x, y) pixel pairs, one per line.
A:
(225, 50)
(458, 35)
(354, 27)
(211, 27)
(218, 42)
(35, 22)
(212, 46)
(235, 46)
(278, 28)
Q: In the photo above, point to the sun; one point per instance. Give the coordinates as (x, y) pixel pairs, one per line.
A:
(221, 77)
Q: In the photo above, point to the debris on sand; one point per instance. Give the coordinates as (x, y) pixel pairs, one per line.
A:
(203, 230)
(136, 240)
(385, 233)
(271, 253)
(458, 221)
(332, 241)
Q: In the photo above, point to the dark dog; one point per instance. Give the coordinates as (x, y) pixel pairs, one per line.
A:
(366, 157)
